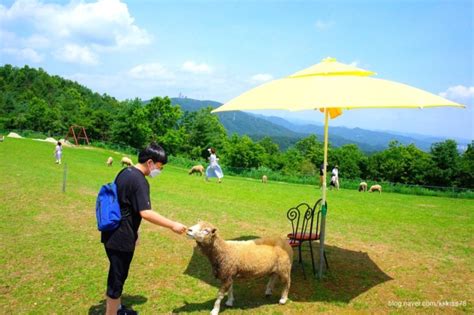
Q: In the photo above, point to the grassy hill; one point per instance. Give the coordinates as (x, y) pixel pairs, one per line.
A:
(381, 248)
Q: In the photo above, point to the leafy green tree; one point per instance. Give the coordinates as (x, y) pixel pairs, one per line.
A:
(163, 120)
(40, 116)
(242, 152)
(445, 157)
(400, 164)
(162, 115)
(31, 98)
(466, 167)
(417, 165)
(271, 157)
(349, 158)
(292, 161)
(307, 168)
(203, 130)
(311, 149)
(101, 122)
(132, 127)
(373, 166)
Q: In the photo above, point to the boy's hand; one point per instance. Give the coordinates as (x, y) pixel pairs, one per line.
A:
(179, 228)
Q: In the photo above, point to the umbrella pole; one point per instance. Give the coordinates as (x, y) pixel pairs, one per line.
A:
(323, 212)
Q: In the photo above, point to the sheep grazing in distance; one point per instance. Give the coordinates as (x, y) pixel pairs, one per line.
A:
(264, 179)
(243, 259)
(362, 186)
(375, 188)
(197, 169)
(110, 160)
(126, 161)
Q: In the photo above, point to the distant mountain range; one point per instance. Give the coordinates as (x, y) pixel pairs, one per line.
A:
(287, 133)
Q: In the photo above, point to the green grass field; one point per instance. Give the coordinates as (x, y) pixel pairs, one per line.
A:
(387, 252)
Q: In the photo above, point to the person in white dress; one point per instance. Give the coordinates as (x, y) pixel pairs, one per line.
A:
(214, 170)
(335, 177)
(58, 152)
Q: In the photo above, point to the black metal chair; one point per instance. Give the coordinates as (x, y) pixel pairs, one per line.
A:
(304, 229)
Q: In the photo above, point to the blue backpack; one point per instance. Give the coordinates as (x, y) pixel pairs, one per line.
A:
(107, 208)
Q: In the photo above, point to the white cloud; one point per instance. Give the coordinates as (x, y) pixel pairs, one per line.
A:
(261, 77)
(193, 67)
(355, 63)
(27, 54)
(459, 93)
(76, 54)
(150, 71)
(100, 26)
(323, 25)
(7, 38)
(36, 41)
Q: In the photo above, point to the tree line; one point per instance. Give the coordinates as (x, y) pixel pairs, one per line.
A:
(32, 99)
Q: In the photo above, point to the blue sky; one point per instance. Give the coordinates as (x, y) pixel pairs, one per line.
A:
(218, 49)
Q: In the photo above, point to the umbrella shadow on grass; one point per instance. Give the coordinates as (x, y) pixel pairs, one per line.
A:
(351, 273)
(128, 300)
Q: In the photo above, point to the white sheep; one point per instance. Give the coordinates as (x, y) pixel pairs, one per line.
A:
(264, 179)
(363, 186)
(110, 160)
(243, 259)
(126, 161)
(197, 169)
(375, 188)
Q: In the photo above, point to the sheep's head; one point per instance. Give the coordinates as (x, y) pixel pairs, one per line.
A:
(202, 232)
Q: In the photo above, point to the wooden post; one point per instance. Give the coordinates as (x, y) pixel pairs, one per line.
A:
(64, 177)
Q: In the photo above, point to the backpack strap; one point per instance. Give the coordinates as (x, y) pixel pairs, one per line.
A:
(124, 212)
(121, 171)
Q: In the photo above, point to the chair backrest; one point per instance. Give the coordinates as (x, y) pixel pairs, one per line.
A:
(317, 210)
(302, 222)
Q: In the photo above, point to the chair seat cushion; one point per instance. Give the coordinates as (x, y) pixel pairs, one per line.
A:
(303, 236)
(294, 243)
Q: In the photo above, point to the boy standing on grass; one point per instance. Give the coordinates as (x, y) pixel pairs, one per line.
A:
(133, 192)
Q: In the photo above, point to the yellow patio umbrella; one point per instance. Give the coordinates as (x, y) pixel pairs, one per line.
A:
(331, 87)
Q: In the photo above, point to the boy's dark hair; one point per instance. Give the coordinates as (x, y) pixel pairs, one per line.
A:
(153, 152)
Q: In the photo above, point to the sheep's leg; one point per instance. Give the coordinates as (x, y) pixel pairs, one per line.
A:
(230, 296)
(286, 279)
(220, 295)
(271, 284)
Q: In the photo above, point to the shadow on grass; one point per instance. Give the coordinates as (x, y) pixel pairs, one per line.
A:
(351, 273)
(128, 300)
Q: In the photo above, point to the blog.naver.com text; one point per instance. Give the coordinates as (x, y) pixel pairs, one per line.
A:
(441, 303)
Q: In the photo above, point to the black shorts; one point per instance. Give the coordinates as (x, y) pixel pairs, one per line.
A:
(118, 271)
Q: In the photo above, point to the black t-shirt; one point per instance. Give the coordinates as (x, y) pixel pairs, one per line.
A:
(133, 193)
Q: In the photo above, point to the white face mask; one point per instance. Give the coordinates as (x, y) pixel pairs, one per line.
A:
(154, 172)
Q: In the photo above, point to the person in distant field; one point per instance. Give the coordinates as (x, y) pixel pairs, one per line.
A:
(214, 170)
(58, 152)
(321, 175)
(133, 192)
(335, 175)
(333, 182)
